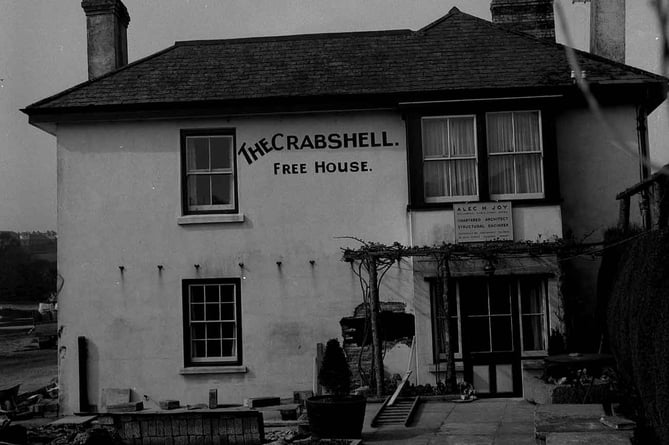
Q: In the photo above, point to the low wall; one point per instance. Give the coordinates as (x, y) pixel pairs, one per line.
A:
(183, 427)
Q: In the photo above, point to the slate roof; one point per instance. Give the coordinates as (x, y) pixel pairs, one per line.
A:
(457, 52)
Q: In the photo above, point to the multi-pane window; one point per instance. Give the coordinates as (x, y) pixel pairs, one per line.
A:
(487, 314)
(209, 173)
(439, 316)
(212, 321)
(483, 319)
(533, 314)
(449, 158)
(514, 154)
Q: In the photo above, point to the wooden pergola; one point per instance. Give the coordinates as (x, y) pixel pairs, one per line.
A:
(376, 259)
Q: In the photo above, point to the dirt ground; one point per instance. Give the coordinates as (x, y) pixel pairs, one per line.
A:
(22, 362)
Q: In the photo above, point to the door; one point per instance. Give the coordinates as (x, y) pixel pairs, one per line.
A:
(490, 336)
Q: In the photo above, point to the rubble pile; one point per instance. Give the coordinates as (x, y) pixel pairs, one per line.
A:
(72, 435)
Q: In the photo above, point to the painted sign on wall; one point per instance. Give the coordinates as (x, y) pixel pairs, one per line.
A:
(331, 141)
(483, 221)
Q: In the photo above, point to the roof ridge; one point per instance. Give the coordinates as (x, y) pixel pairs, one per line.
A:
(554, 44)
(104, 76)
(453, 11)
(311, 36)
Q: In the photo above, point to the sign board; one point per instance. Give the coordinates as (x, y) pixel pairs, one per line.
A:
(483, 221)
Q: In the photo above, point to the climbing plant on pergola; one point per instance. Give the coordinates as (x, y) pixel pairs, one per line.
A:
(376, 259)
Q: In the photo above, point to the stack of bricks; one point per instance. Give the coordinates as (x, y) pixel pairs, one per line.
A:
(353, 357)
(211, 427)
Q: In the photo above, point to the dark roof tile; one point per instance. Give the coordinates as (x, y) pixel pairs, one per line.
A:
(457, 52)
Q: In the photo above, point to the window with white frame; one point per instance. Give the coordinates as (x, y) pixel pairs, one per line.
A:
(449, 158)
(438, 320)
(515, 154)
(212, 322)
(210, 182)
(485, 305)
(532, 301)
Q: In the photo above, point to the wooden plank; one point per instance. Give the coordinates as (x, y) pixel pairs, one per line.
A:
(73, 420)
(624, 214)
(399, 388)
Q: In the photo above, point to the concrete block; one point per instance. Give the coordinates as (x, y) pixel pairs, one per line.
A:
(258, 402)
(169, 404)
(115, 396)
(597, 438)
(568, 418)
(213, 398)
(125, 407)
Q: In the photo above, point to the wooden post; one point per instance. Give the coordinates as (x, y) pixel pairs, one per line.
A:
(624, 214)
(318, 389)
(646, 217)
(450, 380)
(376, 340)
(83, 375)
(662, 199)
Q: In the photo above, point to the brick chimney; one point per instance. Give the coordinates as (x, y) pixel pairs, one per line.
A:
(607, 29)
(106, 28)
(534, 17)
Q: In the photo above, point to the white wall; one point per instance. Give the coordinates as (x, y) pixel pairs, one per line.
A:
(119, 199)
(594, 167)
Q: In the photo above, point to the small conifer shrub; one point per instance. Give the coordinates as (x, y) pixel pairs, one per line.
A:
(335, 374)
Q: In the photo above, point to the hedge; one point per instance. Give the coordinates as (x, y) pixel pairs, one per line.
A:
(635, 275)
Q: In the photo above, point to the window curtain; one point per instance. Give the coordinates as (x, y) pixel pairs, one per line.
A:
(532, 308)
(517, 134)
(500, 141)
(462, 143)
(528, 166)
(435, 137)
(197, 158)
(435, 174)
(461, 131)
(526, 129)
(452, 140)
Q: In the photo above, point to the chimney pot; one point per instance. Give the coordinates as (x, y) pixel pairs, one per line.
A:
(106, 28)
(533, 17)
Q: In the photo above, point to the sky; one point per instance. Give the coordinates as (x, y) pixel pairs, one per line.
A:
(43, 51)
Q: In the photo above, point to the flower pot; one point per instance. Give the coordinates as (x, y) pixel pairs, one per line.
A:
(336, 417)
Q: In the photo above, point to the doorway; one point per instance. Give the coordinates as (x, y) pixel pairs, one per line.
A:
(490, 333)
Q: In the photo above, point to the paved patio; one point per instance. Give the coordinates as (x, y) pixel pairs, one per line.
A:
(482, 422)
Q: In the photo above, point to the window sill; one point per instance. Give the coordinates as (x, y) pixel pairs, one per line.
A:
(194, 370)
(459, 366)
(211, 219)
